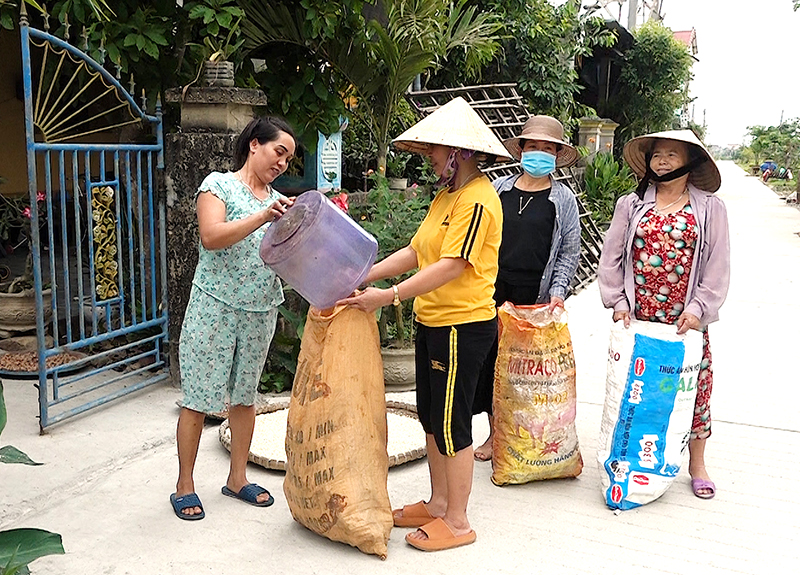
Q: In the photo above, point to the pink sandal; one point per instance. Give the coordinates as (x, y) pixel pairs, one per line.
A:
(700, 484)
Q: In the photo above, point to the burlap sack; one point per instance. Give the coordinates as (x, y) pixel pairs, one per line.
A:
(337, 465)
(534, 397)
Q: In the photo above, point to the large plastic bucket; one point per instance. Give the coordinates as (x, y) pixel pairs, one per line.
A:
(319, 250)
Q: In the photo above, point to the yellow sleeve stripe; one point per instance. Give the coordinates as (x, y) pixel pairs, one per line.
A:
(472, 231)
(452, 368)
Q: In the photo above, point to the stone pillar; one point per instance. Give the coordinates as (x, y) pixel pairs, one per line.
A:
(597, 135)
(216, 109)
(606, 143)
(211, 119)
(589, 134)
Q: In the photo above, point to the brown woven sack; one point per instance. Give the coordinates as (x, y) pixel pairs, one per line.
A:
(337, 465)
(534, 397)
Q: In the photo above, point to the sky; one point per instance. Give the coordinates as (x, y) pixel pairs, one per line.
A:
(747, 73)
(747, 70)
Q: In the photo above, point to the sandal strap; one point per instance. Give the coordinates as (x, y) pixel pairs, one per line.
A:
(437, 529)
(187, 501)
(418, 509)
(251, 491)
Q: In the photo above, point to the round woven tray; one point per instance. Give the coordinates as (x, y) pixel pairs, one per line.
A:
(271, 422)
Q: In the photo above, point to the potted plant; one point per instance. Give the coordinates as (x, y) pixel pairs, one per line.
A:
(393, 217)
(222, 39)
(396, 163)
(17, 295)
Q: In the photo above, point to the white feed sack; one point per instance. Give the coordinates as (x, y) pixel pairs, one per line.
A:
(651, 386)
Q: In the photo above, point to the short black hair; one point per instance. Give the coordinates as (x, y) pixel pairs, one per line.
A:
(264, 129)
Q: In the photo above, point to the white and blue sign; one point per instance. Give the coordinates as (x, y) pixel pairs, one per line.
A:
(329, 162)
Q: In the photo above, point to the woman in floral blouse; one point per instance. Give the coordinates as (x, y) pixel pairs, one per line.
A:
(232, 310)
(666, 257)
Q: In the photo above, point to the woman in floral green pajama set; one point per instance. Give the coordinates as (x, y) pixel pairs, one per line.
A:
(232, 310)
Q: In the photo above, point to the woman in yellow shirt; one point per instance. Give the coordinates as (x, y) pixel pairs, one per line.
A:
(456, 251)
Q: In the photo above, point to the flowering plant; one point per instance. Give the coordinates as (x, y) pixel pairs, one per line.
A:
(340, 201)
(15, 231)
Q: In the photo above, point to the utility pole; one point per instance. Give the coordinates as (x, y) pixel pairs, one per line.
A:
(633, 6)
(655, 11)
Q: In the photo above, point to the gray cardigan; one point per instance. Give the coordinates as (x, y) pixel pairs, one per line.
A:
(710, 275)
(565, 248)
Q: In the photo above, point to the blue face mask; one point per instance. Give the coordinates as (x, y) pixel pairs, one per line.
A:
(538, 164)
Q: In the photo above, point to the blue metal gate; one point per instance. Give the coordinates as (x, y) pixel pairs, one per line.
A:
(97, 229)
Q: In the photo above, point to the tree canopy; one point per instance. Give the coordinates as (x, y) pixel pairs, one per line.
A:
(652, 84)
(780, 144)
(319, 60)
(541, 44)
(370, 52)
(158, 43)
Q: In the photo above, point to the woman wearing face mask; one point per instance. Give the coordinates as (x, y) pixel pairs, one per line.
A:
(541, 236)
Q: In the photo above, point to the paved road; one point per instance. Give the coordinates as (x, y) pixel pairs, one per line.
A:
(108, 474)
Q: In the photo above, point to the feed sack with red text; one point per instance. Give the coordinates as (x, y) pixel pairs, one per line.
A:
(651, 384)
(534, 400)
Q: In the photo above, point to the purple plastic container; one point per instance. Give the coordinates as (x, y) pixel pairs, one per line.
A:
(318, 250)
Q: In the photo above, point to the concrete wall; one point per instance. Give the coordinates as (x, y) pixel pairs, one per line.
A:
(188, 159)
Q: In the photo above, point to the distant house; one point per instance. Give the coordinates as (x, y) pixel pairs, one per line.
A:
(689, 39)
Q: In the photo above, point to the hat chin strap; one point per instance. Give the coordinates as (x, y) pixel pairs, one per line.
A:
(650, 175)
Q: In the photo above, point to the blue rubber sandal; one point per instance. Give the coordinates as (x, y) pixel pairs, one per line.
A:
(186, 502)
(249, 494)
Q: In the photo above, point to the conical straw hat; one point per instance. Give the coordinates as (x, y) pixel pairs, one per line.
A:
(456, 125)
(705, 176)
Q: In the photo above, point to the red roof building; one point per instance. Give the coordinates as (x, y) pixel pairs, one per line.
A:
(689, 39)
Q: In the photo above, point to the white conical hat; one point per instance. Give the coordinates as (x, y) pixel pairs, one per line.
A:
(456, 125)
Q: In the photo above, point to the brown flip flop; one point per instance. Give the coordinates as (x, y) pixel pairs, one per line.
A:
(440, 537)
(414, 515)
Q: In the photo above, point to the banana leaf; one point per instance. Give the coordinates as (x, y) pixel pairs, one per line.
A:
(9, 454)
(18, 547)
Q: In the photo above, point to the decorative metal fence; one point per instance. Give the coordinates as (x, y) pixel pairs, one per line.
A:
(97, 229)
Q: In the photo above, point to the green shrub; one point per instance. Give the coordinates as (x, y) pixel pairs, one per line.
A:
(604, 181)
(393, 218)
(278, 372)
